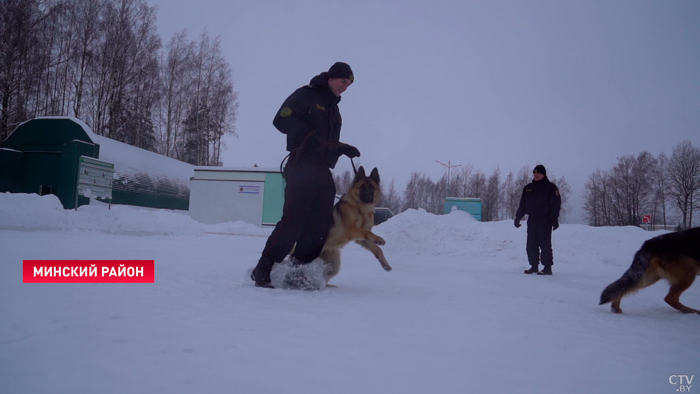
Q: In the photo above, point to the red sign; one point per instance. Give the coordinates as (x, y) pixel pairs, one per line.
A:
(88, 271)
(646, 218)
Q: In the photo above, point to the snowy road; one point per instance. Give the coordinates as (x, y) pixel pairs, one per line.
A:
(456, 315)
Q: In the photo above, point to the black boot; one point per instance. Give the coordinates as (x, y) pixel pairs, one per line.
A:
(533, 270)
(261, 273)
(546, 271)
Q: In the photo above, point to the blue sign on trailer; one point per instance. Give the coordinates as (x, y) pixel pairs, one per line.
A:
(469, 205)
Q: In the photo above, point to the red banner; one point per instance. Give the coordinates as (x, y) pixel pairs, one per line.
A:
(88, 271)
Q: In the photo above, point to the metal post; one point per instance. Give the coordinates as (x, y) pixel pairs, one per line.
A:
(449, 166)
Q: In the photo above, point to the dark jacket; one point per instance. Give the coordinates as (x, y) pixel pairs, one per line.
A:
(540, 201)
(311, 108)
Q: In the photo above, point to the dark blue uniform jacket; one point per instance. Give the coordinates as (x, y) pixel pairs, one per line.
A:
(540, 201)
(311, 108)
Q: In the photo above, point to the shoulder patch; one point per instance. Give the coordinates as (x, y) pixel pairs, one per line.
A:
(319, 106)
(286, 112)
(556, 192)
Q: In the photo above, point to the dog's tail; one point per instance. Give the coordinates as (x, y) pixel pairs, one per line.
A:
(631, 280)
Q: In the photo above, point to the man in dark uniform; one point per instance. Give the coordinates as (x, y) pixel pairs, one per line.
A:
(311, 120)
(541, 202)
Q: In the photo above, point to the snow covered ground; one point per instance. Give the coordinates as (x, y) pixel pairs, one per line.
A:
(456, 315)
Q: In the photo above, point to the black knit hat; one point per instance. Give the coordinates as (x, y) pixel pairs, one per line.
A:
(341, 70)
(540, 168)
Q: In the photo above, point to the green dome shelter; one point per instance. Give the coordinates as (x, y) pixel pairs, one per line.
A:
(42, 156)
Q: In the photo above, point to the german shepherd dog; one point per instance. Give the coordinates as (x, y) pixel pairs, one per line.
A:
(674, 257)
(353, 218)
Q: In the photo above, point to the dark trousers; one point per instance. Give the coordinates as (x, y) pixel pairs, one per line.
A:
(307, 214)
(539, 242)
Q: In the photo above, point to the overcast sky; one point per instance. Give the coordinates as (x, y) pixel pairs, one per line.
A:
(571, 85)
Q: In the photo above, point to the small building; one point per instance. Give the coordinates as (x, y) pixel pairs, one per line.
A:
(470, 205)
(253, 195)
(43, 154)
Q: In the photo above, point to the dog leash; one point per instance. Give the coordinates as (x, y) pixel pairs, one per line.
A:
(354, 169)
(298, 153)
(301, 147)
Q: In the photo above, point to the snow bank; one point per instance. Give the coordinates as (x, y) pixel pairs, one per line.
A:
(413, 232)
(455, 315)
(31, 212)
(458, 234)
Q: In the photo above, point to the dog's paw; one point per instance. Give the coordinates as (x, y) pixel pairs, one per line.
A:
(380, 241)
(384, 263)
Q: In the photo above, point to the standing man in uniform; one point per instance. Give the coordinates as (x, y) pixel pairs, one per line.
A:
(311, 120)
(541, 202)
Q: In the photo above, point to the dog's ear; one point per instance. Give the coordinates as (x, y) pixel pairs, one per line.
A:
(375, 175)
(360, 175)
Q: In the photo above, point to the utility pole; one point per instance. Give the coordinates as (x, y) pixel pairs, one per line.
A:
(449, 167)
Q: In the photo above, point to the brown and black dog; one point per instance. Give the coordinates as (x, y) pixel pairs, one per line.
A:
(353, 218)
(674, 257)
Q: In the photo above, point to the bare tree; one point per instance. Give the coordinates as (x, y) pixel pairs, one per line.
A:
(86, 17)
(660, 191)
(460, 180)
(212, 109)
(418, 193)
(490, 197)
(564, 193)
(51, 53)
(437, 196)
(477, 185)
(512, 191)
(523, 178)
(510, 197)
(630, 186)
(633, 187)
(391, 199)
(343, 182)
(176, 88)
(124, 84)
(101, 61)
(594, 199)
(410, 194)
(684, 179)
(21, 23)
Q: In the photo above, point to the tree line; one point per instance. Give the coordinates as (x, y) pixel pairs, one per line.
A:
(663, 187)
(102, 61)
(499, 197)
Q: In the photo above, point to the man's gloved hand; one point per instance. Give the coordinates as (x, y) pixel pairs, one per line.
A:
(555, 224)
(349, 151)
(517, 223)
